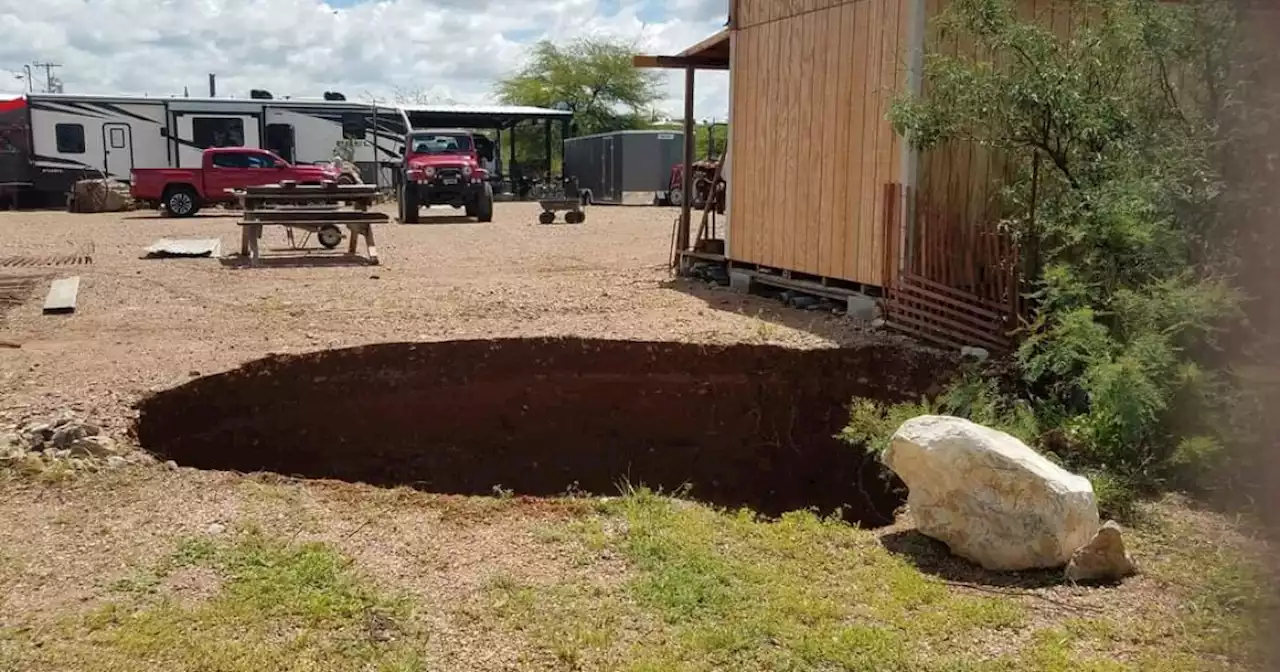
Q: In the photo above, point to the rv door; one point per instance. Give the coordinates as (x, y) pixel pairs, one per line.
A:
(117, 139)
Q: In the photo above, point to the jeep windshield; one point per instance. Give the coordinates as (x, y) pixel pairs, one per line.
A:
(439, 143)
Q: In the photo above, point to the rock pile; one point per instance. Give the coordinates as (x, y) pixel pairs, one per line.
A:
(68, 439)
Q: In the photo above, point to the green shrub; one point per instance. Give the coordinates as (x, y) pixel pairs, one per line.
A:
(1119, 373)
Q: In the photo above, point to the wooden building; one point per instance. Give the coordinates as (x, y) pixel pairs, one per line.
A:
(821, 190)
(810, 150)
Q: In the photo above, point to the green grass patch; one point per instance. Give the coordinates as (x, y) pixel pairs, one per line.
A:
(649, 583)
(800, 592)
(726, 590)
(275, 606)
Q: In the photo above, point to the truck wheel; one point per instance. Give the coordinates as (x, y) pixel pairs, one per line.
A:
(182, 201)
(484, 205)
(408, 204)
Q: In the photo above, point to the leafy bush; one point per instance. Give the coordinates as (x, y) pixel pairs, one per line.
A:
(974, 395)
(1120, 372)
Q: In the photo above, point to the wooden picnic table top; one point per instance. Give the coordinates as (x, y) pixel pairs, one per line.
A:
(326, 188)
(300, 215)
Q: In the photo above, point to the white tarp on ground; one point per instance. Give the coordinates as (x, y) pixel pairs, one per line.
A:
(185, 247)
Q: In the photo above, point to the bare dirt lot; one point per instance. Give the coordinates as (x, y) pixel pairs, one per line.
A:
(191, 566)
(150, 323)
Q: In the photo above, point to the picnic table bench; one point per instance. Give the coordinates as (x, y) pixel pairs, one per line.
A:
(316, 209)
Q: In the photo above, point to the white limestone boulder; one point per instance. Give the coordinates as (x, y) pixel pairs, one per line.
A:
(988, 497)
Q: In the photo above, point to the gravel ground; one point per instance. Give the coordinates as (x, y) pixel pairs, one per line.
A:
(143, 324)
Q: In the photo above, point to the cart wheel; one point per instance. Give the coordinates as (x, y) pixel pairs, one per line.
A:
(546, 217)
(329, 236)
(574, 216)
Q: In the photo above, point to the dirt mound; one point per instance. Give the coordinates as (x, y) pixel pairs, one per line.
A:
(743, 424)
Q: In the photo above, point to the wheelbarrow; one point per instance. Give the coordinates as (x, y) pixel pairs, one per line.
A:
(567, 201)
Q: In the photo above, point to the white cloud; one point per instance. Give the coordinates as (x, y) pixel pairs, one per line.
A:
(448, 48)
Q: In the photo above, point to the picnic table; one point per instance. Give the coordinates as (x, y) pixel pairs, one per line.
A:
(317, 209)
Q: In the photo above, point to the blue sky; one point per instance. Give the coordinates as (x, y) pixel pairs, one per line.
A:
(425, 49)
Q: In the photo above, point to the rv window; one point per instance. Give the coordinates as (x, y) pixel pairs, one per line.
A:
(70, 138)
(117, 138)
(209, 132)
(280, 140)
(354, 125)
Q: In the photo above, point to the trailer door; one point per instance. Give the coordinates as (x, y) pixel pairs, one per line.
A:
(198, 131)
(607, 178)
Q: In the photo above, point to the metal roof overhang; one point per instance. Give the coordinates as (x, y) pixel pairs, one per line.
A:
(477, 116)
(709, 54)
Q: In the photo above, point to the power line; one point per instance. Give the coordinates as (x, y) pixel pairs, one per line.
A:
(52, 84)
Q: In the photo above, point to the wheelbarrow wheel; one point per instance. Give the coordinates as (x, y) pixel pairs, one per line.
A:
(329, 236)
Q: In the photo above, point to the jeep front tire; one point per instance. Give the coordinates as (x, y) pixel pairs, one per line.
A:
(484, 204)
(408, 203)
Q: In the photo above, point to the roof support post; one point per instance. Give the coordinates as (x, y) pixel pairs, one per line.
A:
(686, 181)
(500, 164)
(547, 138)
(564, 133)
(511, 159)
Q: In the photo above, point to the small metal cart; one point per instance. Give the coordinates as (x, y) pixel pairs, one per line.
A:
(568, 200)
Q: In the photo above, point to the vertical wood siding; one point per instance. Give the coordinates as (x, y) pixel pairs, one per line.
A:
(812, 150)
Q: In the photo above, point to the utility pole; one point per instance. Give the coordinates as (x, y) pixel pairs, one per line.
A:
(213, 85)
(50, 86)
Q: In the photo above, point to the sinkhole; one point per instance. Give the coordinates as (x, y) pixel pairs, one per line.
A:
(737, 425)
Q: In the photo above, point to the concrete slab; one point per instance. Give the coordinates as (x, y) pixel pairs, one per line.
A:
(185, 247)
(740, 281)
(62, 296)
(861, 307)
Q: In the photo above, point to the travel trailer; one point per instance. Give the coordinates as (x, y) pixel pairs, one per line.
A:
(48, 141)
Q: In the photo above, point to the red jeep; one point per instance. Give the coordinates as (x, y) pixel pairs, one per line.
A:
(442, 167)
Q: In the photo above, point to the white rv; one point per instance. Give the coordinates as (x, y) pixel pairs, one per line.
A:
(73, 136)
(48, 141)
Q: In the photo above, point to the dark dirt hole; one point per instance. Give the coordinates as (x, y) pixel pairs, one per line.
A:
(744, 425)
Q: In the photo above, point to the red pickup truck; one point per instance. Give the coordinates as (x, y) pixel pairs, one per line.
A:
(183, 191)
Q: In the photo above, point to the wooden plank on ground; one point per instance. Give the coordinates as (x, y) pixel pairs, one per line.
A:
(62, 295)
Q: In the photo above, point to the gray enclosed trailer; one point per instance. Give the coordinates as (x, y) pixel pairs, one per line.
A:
(623, 167)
